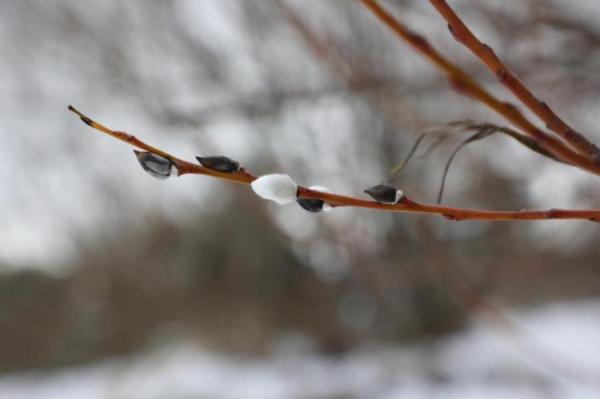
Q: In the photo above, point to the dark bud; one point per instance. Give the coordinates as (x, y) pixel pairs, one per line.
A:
(315, 205)
(220, 164)
(311, 205)
(385, 194)
(155, 165)
(86, 120)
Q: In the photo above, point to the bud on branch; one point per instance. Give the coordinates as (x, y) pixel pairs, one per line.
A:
(282, 189)
(155, 165)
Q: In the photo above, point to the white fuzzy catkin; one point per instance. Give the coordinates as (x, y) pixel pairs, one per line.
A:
(275, 187)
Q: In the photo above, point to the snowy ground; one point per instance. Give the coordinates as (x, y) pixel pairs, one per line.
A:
(559, 357)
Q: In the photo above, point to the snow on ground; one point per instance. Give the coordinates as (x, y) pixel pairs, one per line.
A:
(558, 357)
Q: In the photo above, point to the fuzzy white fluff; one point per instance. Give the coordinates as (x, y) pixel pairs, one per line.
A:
(275, 187)
(399, 196)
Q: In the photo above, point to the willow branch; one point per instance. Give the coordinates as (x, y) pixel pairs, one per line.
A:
(467, 86)
(183, 167)
(406, 205)
(506, 77)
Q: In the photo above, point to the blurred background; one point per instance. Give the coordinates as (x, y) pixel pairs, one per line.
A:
(117, 285)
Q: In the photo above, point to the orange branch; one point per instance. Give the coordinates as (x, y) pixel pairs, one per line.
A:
(183, 167)
(486, 54)
(406, 205)
(465, 85)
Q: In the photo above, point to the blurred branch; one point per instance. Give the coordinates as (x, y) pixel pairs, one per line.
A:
(464, 84)
(404, 204)
(461, 289)
(352, 75)
(266, 105)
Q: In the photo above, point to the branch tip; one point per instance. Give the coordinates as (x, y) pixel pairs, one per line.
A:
(84, 118)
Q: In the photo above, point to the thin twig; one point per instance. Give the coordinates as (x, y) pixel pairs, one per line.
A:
(486, 54)
(465, 85)
(406, 205)
(445, 131)
(183, 167)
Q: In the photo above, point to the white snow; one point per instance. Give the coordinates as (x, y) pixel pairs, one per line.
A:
(484, 361)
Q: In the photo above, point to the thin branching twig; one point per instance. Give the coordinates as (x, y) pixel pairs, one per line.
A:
(464, 84)
(506, 77)
(445, 131)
